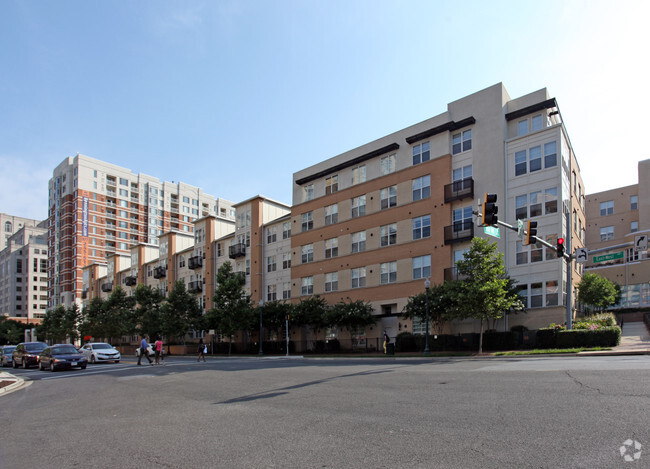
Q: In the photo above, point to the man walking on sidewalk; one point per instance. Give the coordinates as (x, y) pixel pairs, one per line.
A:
(143, 350)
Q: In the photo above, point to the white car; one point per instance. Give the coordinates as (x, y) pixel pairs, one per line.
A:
(149, 351)
(100, 352)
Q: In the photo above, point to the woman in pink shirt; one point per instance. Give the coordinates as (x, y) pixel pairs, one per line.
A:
(158, 346)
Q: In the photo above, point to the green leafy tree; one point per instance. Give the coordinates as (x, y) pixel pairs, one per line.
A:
(232, 310)
(351, 315)
(148, 314)
(274, 314)
(311, 312)
(119, 314)
(597, 292)
(12, 332)
(60, 324)
(443, 305)
(181, 312)
(483, 292)
(92, 319)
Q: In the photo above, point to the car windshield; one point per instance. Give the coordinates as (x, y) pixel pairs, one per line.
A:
(35, 347)
(8, 349)
(102, 346)
(64, 350)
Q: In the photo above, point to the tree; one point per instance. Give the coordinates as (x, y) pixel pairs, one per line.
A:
(180, 313)
(443, 301)
(60, 324)
(11, 332)
(274, 314)
(311, 312)
(232, 310)
(483, 292)
(351, 315)
(597, 292)
(148, 314)
(92, 317)
(118, 316)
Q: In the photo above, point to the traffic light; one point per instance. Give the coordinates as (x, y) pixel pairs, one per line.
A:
(531, 232)
(490, 210)
(559, 247)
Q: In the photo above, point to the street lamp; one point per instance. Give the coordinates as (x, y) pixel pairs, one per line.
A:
(260, 308)
(427, 285)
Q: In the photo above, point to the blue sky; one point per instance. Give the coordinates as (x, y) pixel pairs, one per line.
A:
(235, 97)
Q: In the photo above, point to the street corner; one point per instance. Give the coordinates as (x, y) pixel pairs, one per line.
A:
(10, 383)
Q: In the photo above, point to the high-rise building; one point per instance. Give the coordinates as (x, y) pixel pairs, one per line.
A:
(23, 273)
(10, 224)
(375, 222)
(97, 209)
(616, 219)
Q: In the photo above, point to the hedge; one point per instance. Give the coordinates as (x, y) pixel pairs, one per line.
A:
(603, 337)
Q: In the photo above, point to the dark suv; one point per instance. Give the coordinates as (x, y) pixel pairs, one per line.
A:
(26, 354)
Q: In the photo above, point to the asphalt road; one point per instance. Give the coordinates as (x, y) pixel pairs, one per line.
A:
(341, 413)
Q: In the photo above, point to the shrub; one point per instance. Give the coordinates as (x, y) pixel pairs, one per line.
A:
(500, 340)
(405, 342)
(609, 336)
(547, 338)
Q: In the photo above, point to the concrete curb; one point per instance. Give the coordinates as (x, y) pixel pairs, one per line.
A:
(17, 383)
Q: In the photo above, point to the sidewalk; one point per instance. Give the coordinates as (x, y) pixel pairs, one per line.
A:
(635, 340)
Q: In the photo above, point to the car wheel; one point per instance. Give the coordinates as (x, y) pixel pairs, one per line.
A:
(25, 366)
(92, 359)
(117, 361)
(14, 364)
(40, 366)
(83, 367)
(52, 369)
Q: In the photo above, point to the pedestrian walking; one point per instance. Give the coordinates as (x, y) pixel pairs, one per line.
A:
(143, 350)
(202, 350)
(386, 342)
(158, 346)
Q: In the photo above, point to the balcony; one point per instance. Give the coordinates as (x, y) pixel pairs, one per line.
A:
(195, 287)
(459, 190)
(459, 232)
(451, 274)
(195, 262)
(130, 281)
(237, 250)
(111, 182)
(107, 287)
(159, 272)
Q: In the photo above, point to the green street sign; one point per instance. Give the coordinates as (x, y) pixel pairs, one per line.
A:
(492, 231)
(609, 257)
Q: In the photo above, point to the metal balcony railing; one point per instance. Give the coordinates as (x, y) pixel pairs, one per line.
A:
(459, 232)
(195, 287)
(459, 190)
(237, 250)
(159, 272)
(195, 262)
(107, 287)
(130, 281)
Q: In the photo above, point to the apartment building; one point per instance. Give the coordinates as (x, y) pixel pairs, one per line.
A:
(97, 209)
(10, 224)
(615, 219)
(23, 272)
(375, 222)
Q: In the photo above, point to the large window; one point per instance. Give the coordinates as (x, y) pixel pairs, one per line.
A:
(309, 192)
(307, 286)
(535, 158)
(271, 293)
(286, 229)
(550, 155)
(358, 277)
(331, 248)
(536, 123)
(535, 204)
(421, 267)
(462, 218)
(461, 142)
(359, 174)
(521, 164)
(521, 207)
(388, 272)
(271, 235)
(422, 187)
(388, 234)
(634, 202)
(422, 227)
(271, 264)
(421, 153)
(388, 164)
(461, 173)
(307, 221)
(606, 233)
(331, 214)
(358, 206)
(606, 208)
(358, 241)
(331, 184)
(388, 197)
(550, 200)
(331, 281)
(286, 260)
(307, 253)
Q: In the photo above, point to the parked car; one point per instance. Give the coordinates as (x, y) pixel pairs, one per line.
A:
(5, 355)
(26, 354)
(100, 352)
(61, 356)
(149, 351)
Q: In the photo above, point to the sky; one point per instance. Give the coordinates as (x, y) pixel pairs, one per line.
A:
(236, 96)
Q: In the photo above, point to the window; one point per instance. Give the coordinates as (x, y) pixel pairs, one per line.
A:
(358, 241)
(634, 202)
(388, 234)
(550, 200)
(307, 286)
(537, 123)
(271, 265)
(552, 290)
(421, 267)
(307, 252)
(124, 193)
(535, 158)
(521, 253)
(388, 197)
(286, 230)
(124, 182)
(634, 227)
(331, 281)
(358, 206)
(422, 227)
(522, 127)
(462, 218)
(286, 290)
(550, 154)
(331, 248)
(535, 204)
(387, 164)
(331, 214)
(271, 293)
(286, 261)
(307, 222)
(631, 255)
(271, 235)
(521, 166)
(309, 192)
(421, 153)
(388, 272)
(359, 174)
(606, 208)
(358, 277)
(421, 187)
(331, 184)
(606, 233)
(461, 173)
(521, 207)
(461, 142)
(536, 252)
(536, 295)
